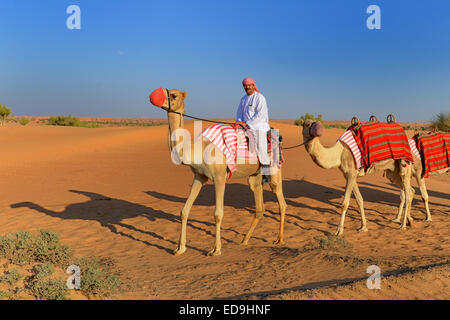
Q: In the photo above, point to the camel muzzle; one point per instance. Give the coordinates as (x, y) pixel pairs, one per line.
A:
(158, 97)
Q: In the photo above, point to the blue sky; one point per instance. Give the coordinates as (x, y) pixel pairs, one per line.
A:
(306, 56)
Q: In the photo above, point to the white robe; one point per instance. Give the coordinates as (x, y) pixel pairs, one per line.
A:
(253, 111)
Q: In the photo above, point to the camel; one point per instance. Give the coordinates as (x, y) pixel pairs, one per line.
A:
(209, 169)
(340, 156)
(417, 171)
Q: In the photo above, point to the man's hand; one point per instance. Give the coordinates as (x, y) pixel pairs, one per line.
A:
(241, 123)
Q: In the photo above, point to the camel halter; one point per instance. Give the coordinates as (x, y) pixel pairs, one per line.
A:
(169, 110)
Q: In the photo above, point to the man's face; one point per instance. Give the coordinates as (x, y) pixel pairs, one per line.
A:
(249, 88)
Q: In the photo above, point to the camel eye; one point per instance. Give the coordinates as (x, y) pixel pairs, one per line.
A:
(174, 96)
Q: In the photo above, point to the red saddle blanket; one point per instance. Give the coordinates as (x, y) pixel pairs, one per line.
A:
(435, 151)
(381, 141)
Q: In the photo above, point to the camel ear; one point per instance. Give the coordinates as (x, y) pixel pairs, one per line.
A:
(302, 122)
(185, 94)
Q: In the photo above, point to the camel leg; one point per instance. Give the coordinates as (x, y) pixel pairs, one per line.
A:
(197, 184)
(255, 183)
(360, 201)
(400, 209)
(405, 175)
(424, 193)
(351, 179)
(276, 184)
(219, 184)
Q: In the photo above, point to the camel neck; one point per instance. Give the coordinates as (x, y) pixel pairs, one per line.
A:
(176, 142)
(324, 157)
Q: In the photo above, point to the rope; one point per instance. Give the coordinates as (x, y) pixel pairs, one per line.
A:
(221, 122)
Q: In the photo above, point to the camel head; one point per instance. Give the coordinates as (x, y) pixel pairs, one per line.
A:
(311, 129)
(166, 99)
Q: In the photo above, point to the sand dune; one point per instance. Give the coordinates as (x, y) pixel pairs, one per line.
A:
(114, 192)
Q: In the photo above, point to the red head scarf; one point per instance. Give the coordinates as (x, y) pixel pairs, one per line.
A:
(249, 80)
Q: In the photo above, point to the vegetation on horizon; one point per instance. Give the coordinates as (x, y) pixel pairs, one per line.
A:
(5, 112)
(442, 121)
(76, 122)
(36, 266)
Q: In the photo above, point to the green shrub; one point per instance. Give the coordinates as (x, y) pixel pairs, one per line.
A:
(11, 277)
(332, 243)
(4, 113)
(43, 287)
(21, 248)
(308, 116)
(96, 276)
(4, 295)
(64, 121)
(442, 121)
(43, 270)
(24, 121)
(18, 247)
(48, 248)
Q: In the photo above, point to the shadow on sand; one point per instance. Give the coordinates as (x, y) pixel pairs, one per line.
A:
(110, 213)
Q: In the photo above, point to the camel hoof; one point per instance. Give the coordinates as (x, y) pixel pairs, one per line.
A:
(402, 227)
(179, 251)
(278, 242)
(428, 219)
(243, 243)
(396, 220)
(339, 233)
(214, 252)
(363, 229)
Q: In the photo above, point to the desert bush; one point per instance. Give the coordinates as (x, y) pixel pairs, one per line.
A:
(70, 121)
(96, 276)
(11, 277)
(4, 113)
(332, 243)
(4, 295)
(43, 287)
(340, 126)
(442, 121)
(24, 121)
(48, 248)
(21, 248)
(308, 116)
(64, 121)
(17, 247)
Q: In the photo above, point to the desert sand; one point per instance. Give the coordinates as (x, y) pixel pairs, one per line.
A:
(114, 192)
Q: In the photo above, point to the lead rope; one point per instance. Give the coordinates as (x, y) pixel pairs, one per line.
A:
(169, 109)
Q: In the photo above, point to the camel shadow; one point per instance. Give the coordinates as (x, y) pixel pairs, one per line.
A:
(431, 193)
(239, 196)
(110, 213)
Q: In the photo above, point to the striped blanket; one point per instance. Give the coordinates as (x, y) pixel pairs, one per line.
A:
(350, 141)
(435, 151)
(413, 146)
(381, 141)
(232, 142)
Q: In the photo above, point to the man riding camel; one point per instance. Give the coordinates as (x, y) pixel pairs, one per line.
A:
(253, 115)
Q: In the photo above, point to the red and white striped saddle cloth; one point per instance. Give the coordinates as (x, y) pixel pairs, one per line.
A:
(413, 146)
(232, 142)
(350, 141)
